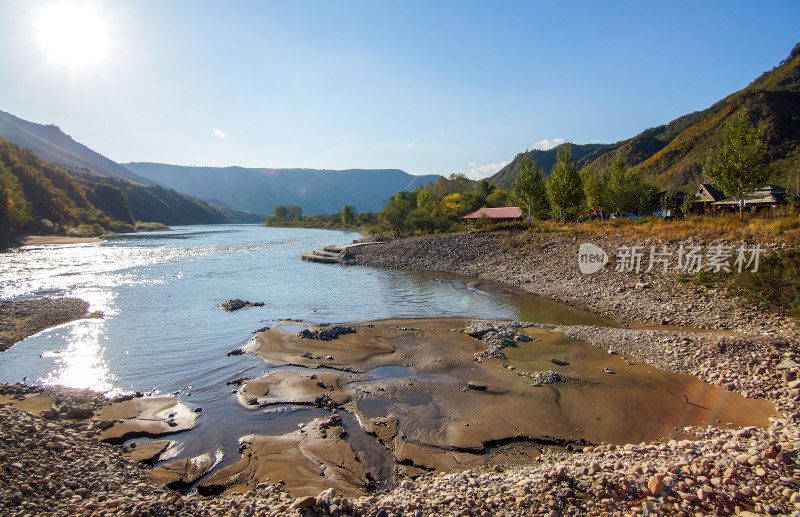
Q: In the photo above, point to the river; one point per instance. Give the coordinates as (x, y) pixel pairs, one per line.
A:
(162, 331)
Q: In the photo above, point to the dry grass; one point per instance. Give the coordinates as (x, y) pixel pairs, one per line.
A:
(764, 230)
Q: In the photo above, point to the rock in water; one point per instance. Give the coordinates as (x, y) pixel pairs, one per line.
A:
(476, 386)
(236, 304)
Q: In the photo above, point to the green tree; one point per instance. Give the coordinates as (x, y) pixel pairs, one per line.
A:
(459, 184)
(287, 212)
(565, 190)
(397, 211)
(484, 188)
(645, 195)
(497, 198)
(595, 189)
(529, 190)
(348, 215)
(686, 206)
(620, 187)
(740, 164)
(626, 191)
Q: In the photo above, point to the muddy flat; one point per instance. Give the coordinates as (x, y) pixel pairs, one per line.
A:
(424, 394)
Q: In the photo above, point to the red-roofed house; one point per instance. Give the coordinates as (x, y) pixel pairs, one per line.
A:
(506, 213)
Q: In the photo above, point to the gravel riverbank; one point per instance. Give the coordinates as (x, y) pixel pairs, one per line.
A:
(709, 470)
(23, 318)
(546, 264)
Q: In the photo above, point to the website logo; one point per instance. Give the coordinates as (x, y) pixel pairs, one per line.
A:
(591, 258)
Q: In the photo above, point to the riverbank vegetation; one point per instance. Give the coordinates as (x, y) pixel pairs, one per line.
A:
(593, 192)
(565, 195)
(39, 197)
(291, 216)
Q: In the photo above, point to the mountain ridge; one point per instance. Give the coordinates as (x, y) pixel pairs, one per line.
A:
(316, 191)
(37, 196)
(673, 153)
(52, 145)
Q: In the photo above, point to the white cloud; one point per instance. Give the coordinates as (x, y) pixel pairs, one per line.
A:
(478, 172)
(219, 133)
(548, 143)
(412, 144)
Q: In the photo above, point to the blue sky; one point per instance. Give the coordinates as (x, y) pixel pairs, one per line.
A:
(427, 87)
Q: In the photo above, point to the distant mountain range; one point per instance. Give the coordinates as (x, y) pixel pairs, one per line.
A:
(52, 145)
(69, 184)
(166, 193)
(41, 197)
(674, 153)
(261, 190)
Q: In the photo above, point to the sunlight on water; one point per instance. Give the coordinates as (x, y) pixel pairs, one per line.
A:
(99, 300)
(63, 268)
(81, 363)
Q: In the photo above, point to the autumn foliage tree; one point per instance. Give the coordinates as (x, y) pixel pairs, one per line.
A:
(740, 164)
(595, 189)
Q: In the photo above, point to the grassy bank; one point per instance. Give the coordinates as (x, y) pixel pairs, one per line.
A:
(764, 230)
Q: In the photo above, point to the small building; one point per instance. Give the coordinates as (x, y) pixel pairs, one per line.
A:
(706, 195)
(765, 196)
(506, 213)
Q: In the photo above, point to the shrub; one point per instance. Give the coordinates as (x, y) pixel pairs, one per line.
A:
(150, 227)
(775, 283)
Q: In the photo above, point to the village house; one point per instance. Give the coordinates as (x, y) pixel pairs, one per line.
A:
(765, 197)
(506, 213)
(706, 195)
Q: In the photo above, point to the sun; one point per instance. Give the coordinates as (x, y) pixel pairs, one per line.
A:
(73, 34)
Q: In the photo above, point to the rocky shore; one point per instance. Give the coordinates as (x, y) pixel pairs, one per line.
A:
(57, 467)
(703, 470)
(23, 318)
(546, 264)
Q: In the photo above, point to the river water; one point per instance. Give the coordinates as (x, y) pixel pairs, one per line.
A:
(163, 332)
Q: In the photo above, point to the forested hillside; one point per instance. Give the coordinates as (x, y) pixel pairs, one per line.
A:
(673, 154)
(40, 197)
(53, 145)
